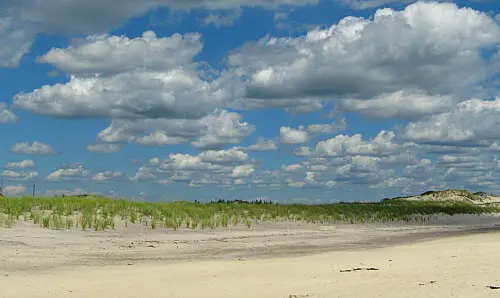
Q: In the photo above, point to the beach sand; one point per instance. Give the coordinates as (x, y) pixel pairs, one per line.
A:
(447, 257)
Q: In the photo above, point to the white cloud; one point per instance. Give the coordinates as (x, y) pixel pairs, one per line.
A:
(291, 168)
(424, 169)
(22, 20)
(473, 122)
(180, 176)
(399, 158)
(14, 190)
(105, 148)
(342, 145)
(143, 174)
(159, 138)
(240, 181)
(360, 170)
(243, 171)
(105, 55)
(318, 168)
(297, 184)
(13, 175)
(208, 167)
(261, 145)
(107, 175)
(434, 48)
(230, 156)
(327, 128)
(6, 115)
(332, 184)
(400, 104)
(214, 131)
(303, 151)
(290, 135)
(161, 80)
(69, 173)
(308, 181)
(179, 93)
(155, 161)
(454, 159)
(404, 184)
(268, 179)
(191, 163)
(222, 128)
(219, 19)
(32, 148)
(202, 182)
(28, 163)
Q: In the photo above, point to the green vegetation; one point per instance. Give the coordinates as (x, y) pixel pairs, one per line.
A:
(100, 213)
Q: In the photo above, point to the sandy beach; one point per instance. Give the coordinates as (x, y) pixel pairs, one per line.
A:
(451, 256)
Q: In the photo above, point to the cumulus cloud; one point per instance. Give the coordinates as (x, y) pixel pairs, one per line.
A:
(159, 138)
(327, 128)
(32, 148)
(219, 19)
(342, 145)
(179, 93)
(13, 175)
(361, 170)
(291, 168)
(105, 148)
(107, 175)
(161, 80)
(105, 55)
(222, 128)
(28, 163)
(13, 190)
(6, 115)
(290, 135)
(400, 104)
(429, 48)
(144, 174)
(308, 179)
(242, 171)
(401, 184)
(22, 20)
(471, 122)
(261, 145)
(230, 156)
(69, 173)
(302, 151)
(205, 168)
(268, 179)
(188, 162)
(214, 131)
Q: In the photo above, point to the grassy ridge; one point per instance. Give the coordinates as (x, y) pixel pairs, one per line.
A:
(100, 213)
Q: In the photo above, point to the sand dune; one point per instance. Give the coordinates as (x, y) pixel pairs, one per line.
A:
(455, 195)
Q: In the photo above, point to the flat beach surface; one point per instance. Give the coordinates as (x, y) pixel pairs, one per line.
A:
(451, 256)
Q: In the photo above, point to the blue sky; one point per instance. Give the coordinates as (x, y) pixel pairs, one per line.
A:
(294, 101)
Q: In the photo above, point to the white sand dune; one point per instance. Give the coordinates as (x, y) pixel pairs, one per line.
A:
(455, 195)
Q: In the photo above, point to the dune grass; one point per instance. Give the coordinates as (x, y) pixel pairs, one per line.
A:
(99, 213)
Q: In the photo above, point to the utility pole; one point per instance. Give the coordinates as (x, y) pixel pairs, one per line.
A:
(1, 188)
(33, 190)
